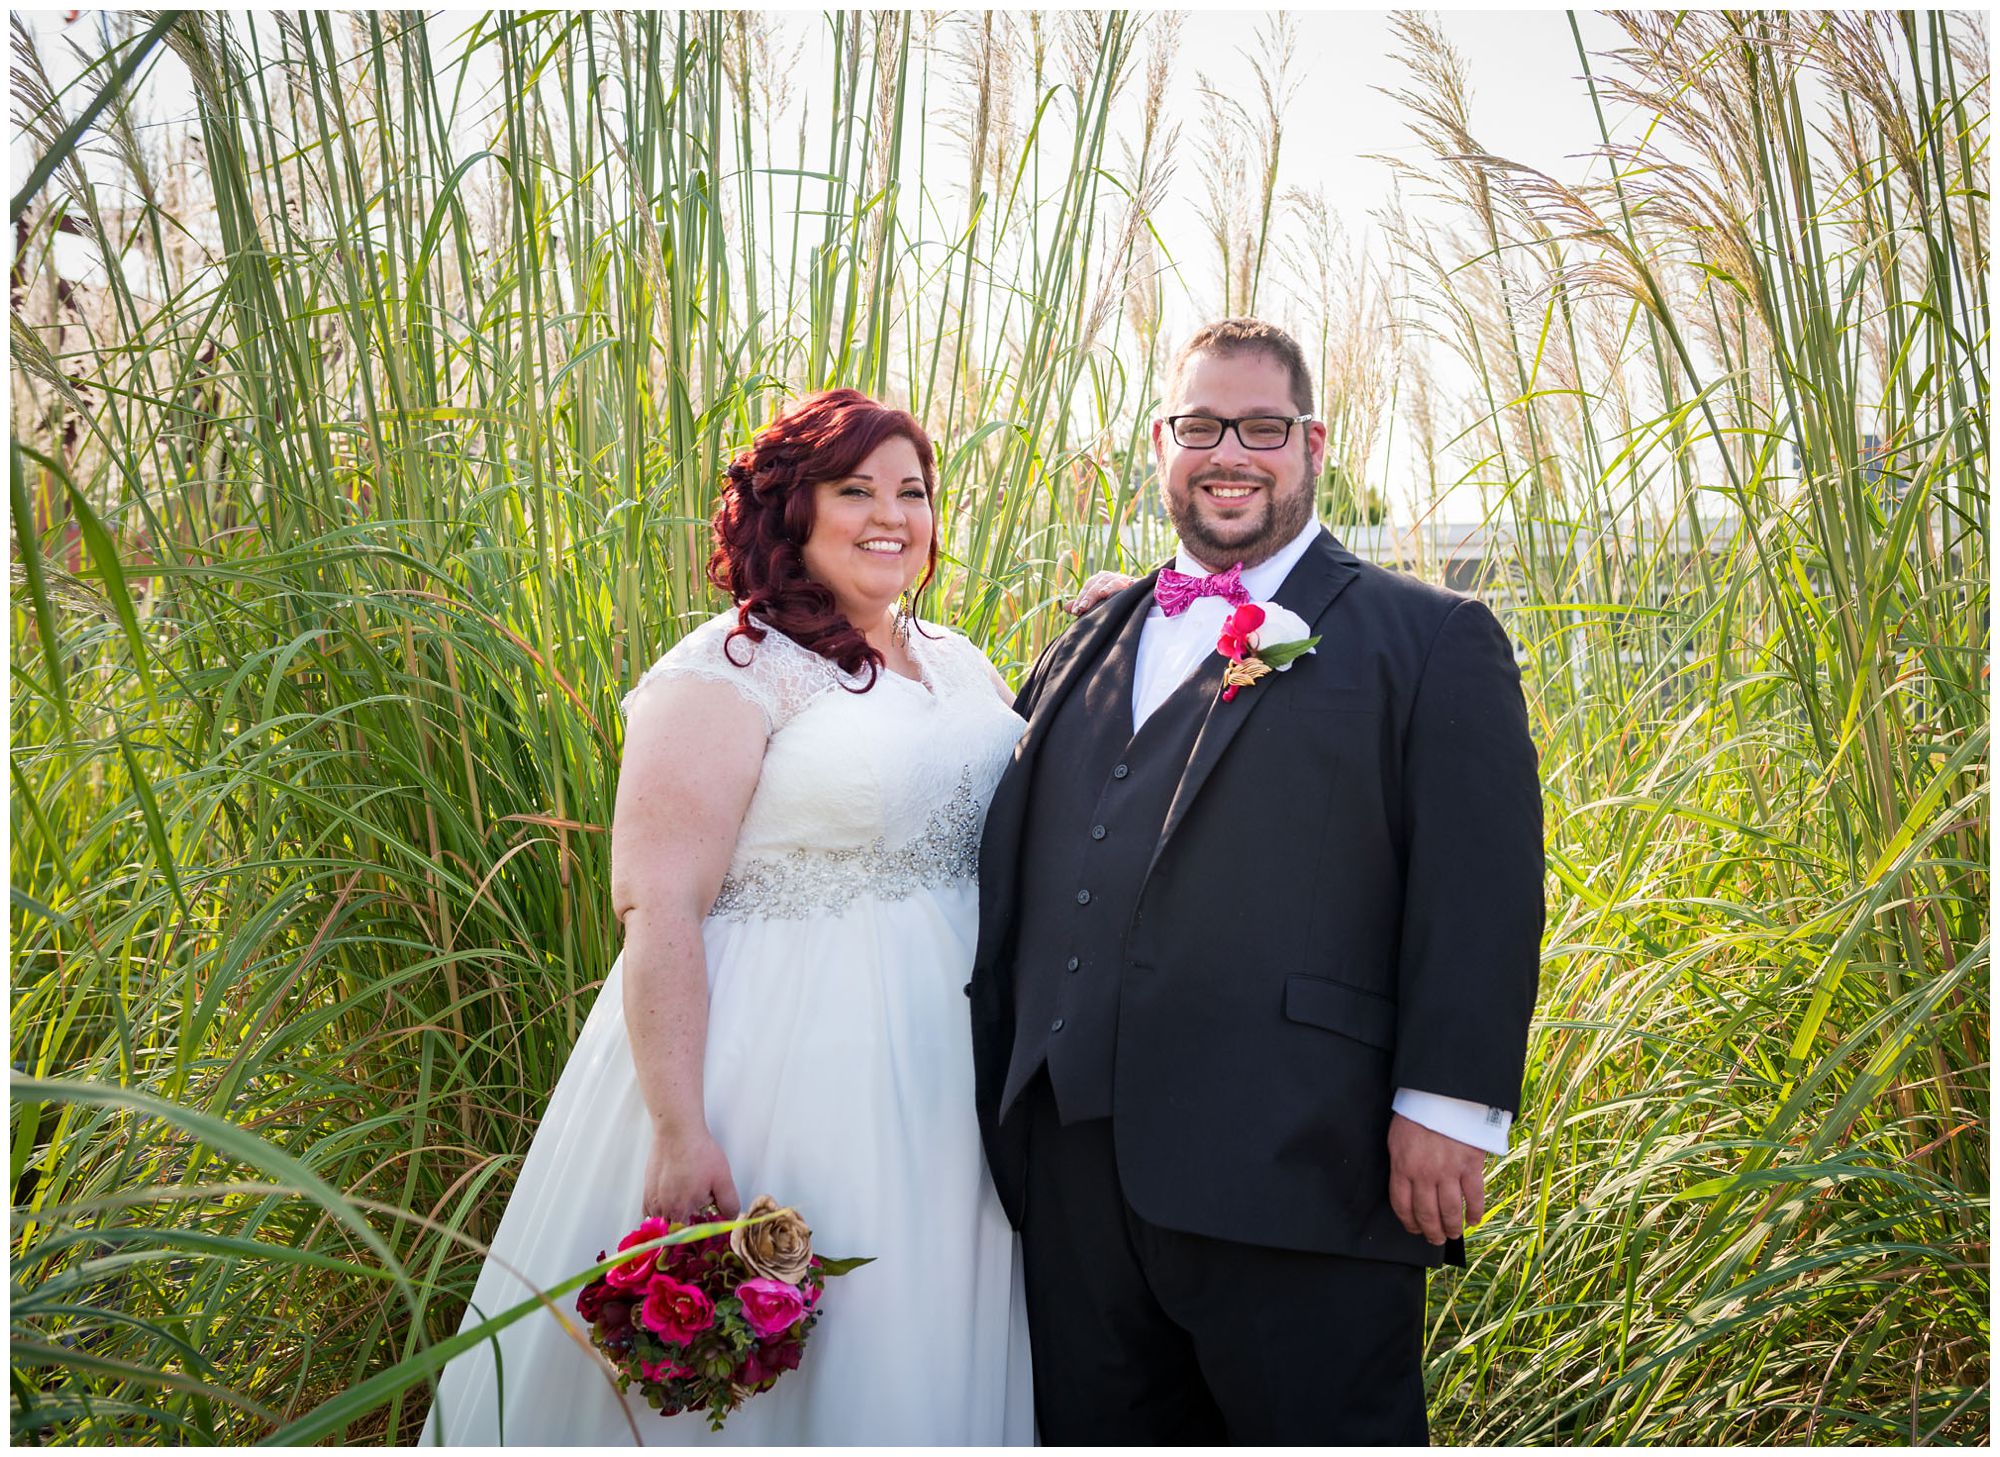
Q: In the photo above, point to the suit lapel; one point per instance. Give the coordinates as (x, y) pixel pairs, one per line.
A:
(1094, 637)
(1309, 589)
(1107, 689)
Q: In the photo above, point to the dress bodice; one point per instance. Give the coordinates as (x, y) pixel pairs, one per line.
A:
(862, 793)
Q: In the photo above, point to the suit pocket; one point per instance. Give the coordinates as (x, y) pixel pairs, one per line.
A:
(1338, 1007)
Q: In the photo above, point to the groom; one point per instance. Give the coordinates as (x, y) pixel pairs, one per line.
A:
(1254, 975)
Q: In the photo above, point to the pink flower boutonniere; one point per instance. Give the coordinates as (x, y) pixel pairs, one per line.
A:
(1260, 637)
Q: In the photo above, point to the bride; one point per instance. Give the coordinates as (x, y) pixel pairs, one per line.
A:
(794, 851)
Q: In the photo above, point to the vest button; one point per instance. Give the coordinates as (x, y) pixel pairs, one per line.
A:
(1083, 897)
(1097, 832)
(1120, 772)
(968, 989)
(1056, 1026)
(1073, 963)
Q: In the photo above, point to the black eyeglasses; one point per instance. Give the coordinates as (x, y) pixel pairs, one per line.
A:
(1256, 432)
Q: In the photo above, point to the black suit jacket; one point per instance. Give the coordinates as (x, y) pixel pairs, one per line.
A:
(1345, 899)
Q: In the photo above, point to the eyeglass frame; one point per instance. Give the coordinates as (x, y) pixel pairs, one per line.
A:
(1172, 423)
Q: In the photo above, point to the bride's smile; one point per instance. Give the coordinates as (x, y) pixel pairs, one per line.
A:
(871, 532)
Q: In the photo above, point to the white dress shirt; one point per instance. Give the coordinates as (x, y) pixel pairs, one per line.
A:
(1170, 648)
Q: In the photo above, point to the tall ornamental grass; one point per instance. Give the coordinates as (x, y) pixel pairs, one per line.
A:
(1731, 409)
(377, 467)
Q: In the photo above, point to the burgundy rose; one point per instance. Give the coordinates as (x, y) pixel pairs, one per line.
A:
(682, 1261)
(614, 1317)
(782, 1355)
(591, 1298)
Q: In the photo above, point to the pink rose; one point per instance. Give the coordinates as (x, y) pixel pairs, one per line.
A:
(633, 1274)
(770, 1307)
(675, 1311)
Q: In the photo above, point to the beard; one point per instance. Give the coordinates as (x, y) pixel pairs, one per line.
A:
(1285, 513)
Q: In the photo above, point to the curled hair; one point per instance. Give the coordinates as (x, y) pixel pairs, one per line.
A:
(767, 508)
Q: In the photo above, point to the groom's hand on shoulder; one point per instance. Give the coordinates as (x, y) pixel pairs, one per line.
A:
(1437, 1185)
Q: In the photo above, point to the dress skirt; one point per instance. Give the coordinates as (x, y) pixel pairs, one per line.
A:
(838, 1079)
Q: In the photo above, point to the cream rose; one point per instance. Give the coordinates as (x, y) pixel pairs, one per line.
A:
(780, 1247)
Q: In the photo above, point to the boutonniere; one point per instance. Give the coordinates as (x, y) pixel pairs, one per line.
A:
(1258, 638)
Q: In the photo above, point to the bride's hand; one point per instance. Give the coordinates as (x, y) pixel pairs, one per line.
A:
(684, 1175)
(1094, 591)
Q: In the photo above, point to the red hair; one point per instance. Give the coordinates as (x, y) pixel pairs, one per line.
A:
(769, 504)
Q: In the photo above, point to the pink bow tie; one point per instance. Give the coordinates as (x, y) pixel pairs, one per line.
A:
(1176, 591)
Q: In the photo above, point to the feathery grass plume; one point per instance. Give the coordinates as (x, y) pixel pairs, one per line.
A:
(1225, 181)
(1241, 148)
(1353, 355)
(1277, 42)
(1420, 409)
(1151, 166)
(1149, 169)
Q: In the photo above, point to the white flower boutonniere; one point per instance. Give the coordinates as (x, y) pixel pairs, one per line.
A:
(1258, 638)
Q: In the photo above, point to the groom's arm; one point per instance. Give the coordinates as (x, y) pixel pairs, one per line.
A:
(1038, 677)
(1472, 921)
(1472, 899)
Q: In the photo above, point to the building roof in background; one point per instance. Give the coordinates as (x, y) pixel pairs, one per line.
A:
(1445, 541)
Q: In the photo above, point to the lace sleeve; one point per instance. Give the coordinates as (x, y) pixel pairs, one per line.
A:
(777, 676)
(960, 662)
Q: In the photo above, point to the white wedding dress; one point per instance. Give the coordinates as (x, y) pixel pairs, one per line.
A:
(838, 1078)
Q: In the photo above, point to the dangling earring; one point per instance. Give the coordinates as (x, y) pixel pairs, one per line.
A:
(904, 614)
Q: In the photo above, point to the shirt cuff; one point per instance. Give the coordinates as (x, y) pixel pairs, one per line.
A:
(1459, 1118)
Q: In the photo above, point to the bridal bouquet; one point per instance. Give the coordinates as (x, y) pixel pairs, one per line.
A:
(706, 1324)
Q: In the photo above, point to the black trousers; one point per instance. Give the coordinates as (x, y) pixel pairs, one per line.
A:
(1145, 1335)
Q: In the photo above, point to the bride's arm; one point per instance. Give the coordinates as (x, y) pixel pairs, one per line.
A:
(999, 683)
(693, 751)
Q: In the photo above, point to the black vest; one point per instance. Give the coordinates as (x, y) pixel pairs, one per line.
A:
(1096, 803)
